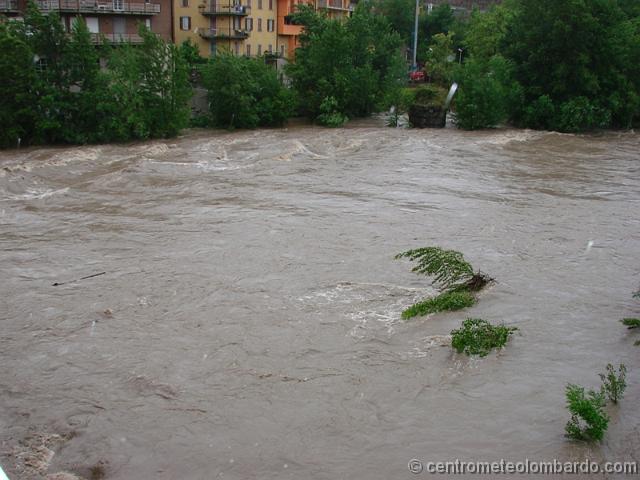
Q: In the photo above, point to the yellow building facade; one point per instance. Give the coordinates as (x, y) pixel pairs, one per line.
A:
(241, 27)
(246, 27)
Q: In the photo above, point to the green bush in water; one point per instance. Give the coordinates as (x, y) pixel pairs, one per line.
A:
(479, 337)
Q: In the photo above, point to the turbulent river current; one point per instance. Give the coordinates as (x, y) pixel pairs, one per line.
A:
(241, 315)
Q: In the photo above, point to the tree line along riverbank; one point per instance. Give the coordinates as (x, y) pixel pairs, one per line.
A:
(570, 66)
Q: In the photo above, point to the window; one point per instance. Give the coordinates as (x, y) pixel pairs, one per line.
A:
(270, 4)
(282, 50)
(93, 24)
(259, 4)
(248, 24)
(147, 23)
(259, 49)
(248, 3)
(248, 49)
(185, 3)
(185, 23)
(259, 24)
(271, 25)
(237, 46)
(270, 48)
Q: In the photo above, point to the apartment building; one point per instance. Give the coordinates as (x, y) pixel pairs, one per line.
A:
(336, 8)
(115, 20)
(241, 27)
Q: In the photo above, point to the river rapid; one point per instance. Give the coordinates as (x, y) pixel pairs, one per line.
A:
(247, 324)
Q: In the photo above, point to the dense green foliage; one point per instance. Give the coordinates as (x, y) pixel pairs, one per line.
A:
(245, 93)
(347, 68)
(614, 384)
(447, 301)
(588, 419)
(487, 93)
(569, 66)
(56, 92)
(479, 337)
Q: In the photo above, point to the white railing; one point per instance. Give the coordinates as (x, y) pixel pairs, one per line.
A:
(226, 10)
(222, 33)
(100, 6)
(117, 37)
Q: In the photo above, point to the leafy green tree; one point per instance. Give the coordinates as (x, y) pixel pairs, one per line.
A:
(18, 78)
(164, 85)
(356, 63)
(440, 20)
(575, 58)
(438, 58)
(245, 93)
(487, 93)
(486, 31)
(400, 14)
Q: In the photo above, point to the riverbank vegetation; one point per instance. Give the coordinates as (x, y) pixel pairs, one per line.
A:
(455, 277)
(570, 66)
(57, 92)
(345, 68)
(245, 93)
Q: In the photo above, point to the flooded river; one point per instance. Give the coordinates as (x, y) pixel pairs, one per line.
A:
(247, 323)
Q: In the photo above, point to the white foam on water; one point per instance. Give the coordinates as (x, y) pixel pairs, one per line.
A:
(38, 194)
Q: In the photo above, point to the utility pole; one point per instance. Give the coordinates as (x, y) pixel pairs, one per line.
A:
(414, 65)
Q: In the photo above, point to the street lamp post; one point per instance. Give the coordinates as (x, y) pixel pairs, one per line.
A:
(460, 61)
(414, 65)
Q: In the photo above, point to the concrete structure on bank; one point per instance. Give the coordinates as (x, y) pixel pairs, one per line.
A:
(115, 20)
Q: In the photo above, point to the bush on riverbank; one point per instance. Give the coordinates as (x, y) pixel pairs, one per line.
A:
(245, 93)
(56, 92)
(345, 68)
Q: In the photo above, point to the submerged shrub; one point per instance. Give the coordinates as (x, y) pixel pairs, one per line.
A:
(479, 337)
(631, 322)
(588, 420)
(452, 272)
(447, 301)
(614, 385)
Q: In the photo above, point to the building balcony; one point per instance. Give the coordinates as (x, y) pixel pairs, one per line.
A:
(286, 26)
(99, 6)
(228, 10)
(334, 5)
(9, 6)
(116, 38)
(223, 34)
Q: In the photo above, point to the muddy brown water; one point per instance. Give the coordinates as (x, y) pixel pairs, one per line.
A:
(248, 321)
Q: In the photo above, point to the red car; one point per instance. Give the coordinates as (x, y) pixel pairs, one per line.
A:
(417, 76)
